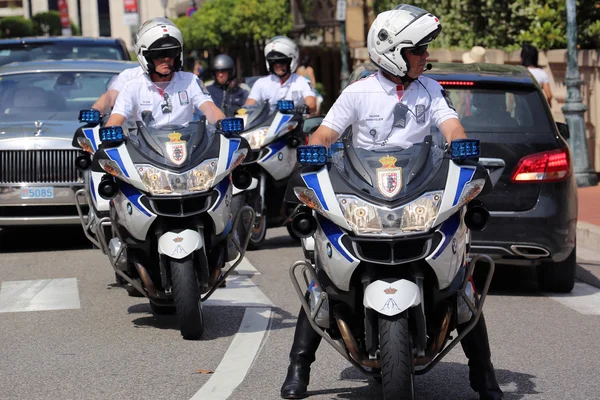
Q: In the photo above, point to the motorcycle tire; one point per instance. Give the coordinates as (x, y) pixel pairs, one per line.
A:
(397, 377)
(187, 298)
(258, 233)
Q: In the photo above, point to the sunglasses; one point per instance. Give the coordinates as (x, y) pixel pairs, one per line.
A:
(419, 50)
(159, 54)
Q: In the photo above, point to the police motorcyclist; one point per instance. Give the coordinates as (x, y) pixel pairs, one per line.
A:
(394, 107)
(169, 93)
(281, 55)
(226, 91)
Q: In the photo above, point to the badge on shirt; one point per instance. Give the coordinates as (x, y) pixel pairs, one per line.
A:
(183, 98)
(420, 113)
(389, 177)
(202, 86)
(400, 111)
(448, 99)
(176, 148)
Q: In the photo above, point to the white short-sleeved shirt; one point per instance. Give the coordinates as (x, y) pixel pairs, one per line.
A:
(184, 92)
(269, 88)
(540, 75)
(119, 82)
(369, 105)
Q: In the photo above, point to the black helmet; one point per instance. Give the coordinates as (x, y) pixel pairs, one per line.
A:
(223, 62)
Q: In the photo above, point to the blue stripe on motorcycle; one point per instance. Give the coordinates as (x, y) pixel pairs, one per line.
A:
(133, 195)
(334, 233)
(284, 119)
(234, 144)
(274, 148)
(92, 188)
(89, 133)
(465, 176)
(115, 156)
(222, 189)
(448, 228)
(312, 181)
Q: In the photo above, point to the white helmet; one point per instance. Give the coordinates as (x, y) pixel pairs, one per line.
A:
(403, 27)
(281, 49)
(158, 34)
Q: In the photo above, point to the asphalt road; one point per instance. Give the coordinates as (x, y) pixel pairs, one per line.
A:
(67, 332)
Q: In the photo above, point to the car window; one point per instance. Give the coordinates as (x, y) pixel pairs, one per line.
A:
(51, 91)
(496, 110)
(54, 51)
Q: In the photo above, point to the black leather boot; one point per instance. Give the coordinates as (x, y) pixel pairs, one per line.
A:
(481, 371)
(306, 343)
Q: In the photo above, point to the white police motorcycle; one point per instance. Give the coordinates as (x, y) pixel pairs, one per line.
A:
(170, 193)
(273, 137)
(386, 241)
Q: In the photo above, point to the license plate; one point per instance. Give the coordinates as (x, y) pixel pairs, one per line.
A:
(37, 192)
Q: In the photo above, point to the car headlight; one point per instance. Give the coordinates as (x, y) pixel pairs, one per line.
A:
(368, 219)
(256, 138)
(161, 182)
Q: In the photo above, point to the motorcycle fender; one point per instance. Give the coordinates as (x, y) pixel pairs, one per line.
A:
(391, 298)
(180, 245)
(252, 186)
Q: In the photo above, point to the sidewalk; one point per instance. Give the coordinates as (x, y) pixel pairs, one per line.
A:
(588, 235)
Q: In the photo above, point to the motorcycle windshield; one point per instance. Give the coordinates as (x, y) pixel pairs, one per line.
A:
(391, 174)
(173, 146)
(256, 115)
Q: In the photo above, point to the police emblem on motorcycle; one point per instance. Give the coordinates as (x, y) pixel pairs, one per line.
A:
(176, 148)
(389, 177)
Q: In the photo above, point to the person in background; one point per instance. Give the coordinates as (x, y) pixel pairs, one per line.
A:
(307, 71)
(225, 90)
(529, 59)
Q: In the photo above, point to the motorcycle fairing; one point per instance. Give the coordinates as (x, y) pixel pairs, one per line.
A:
(99, 203)
(227, 149)
(133, 215)
(335, 259)
(93, 135)
(280, 159)
(179, 245)
(391, 298)
(458, 177)
(219, 212)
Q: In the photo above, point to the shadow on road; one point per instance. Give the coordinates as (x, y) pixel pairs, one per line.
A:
(43, 238)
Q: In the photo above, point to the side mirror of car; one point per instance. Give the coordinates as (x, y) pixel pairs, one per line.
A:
(563, 129)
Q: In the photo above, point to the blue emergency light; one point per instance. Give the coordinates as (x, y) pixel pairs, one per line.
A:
(232, 125)
(461, 149)
(285, 105)
(112, 134)
(311, 155)
(91, 116)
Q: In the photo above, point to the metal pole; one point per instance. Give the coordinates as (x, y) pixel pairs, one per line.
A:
(574, 108)
(344, 49)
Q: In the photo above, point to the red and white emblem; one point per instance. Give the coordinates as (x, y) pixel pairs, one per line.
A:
(389, 177)
(176, 149)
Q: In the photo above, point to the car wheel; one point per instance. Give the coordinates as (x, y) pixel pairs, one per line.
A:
(558, 276)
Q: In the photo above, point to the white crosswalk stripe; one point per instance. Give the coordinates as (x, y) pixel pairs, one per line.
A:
(39, 295)
(584, 299)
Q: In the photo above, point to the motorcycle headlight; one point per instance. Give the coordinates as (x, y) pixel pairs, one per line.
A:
(202, 177)
(368, 219)
(470, 191)
(160, 182)
(256, 138)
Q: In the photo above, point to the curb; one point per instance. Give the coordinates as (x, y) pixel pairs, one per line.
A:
(588, 263)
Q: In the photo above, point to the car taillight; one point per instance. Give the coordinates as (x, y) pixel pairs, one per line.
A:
(549, 166)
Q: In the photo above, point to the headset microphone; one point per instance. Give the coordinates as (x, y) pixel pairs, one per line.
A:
(428, 67)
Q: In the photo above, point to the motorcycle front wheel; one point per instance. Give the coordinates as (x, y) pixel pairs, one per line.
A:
(187, 298)
(258, 232)
(397, 377)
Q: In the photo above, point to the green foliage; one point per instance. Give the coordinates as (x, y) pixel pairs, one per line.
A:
(48, 23)
(11, 27)
(508, 23)
(225, 24)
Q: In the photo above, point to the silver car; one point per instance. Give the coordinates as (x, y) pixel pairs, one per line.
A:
(39, 109)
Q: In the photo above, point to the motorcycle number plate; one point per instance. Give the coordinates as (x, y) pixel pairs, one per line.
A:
(37, 192)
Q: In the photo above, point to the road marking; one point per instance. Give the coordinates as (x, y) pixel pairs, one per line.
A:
(239, 357)
(246, 268)
(241, 291)
(584, 299)
(39, 295)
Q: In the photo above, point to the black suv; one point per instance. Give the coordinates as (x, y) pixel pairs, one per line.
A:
(533, 206)
(61, 48)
